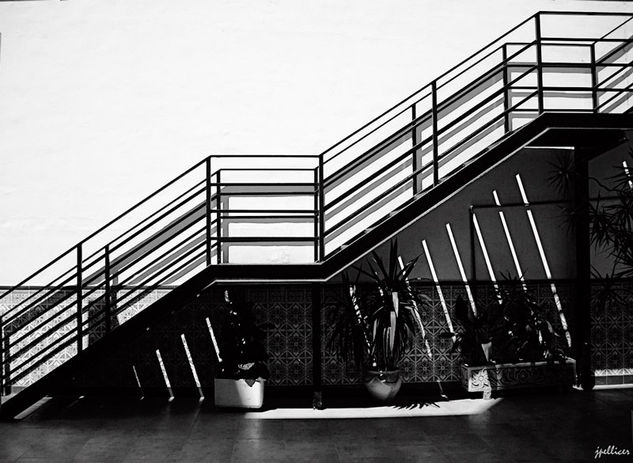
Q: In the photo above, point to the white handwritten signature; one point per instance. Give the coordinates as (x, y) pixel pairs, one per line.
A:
(610, 450)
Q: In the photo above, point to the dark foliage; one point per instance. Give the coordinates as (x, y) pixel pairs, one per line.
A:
(514, 328)
(610, 213)
(376, 327)
(241, 342)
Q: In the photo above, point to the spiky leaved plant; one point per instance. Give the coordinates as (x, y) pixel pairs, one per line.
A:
(376, 329)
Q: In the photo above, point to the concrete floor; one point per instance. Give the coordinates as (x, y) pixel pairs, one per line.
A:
(527, 427)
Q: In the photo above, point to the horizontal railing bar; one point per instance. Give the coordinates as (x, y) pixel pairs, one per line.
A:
(266, 211)
(263, 156)
(614, 90)
(583, 13)
(263, 239)
(551, 64)
(586, 39)
(308, 193)
(276, 216)
(553, 43)
(265, 169)
(285, 184)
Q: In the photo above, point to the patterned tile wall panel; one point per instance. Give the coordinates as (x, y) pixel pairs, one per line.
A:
(612, 334)
(287, 309)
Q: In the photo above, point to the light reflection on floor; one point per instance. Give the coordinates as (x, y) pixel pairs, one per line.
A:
(449, 408)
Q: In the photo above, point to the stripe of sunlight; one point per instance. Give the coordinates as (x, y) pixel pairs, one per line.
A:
(484, 249)
(541, 251)
(165, 377)
(460, 266)
(506, 230)
(215, 342)
(628, 173)
(449, 323)
(418, 320)
(138, 381)
(194, 372)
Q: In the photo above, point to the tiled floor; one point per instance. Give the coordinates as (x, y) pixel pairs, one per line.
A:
(530, 427)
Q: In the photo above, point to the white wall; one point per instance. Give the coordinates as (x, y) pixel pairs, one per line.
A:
(101, 102)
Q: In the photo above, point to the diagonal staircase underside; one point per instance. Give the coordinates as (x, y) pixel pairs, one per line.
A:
(345, 202)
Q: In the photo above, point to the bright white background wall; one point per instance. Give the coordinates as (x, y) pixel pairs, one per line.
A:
(103, 101)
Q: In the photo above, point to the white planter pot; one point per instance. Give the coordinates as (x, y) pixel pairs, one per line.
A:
(238, 393)
(383, 385)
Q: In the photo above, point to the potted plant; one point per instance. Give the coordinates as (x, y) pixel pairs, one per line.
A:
(374, 329)
(243, 370)
(510, 343)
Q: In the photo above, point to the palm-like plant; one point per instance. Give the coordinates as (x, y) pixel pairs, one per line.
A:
(379, 327)
(610, 214)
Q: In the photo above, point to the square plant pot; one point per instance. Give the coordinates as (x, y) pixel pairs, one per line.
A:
(497, 377)
(239, 393)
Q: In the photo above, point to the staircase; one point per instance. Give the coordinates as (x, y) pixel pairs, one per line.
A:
(556, 79)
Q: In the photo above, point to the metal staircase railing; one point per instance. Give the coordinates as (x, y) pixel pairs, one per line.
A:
(236, 209)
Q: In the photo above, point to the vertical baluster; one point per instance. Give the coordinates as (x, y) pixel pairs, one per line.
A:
(434, 110)
(79, 300)
(539, 63)
(315, 215)
(218, 218)
(208, 210)
(317, 361)
(5, 368)
(108, 289)
(506, 91)
(321, 183)
(594, 78)
(414, 154)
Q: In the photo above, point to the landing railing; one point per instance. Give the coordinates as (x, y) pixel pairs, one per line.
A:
(280, 209)
(193, 221)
